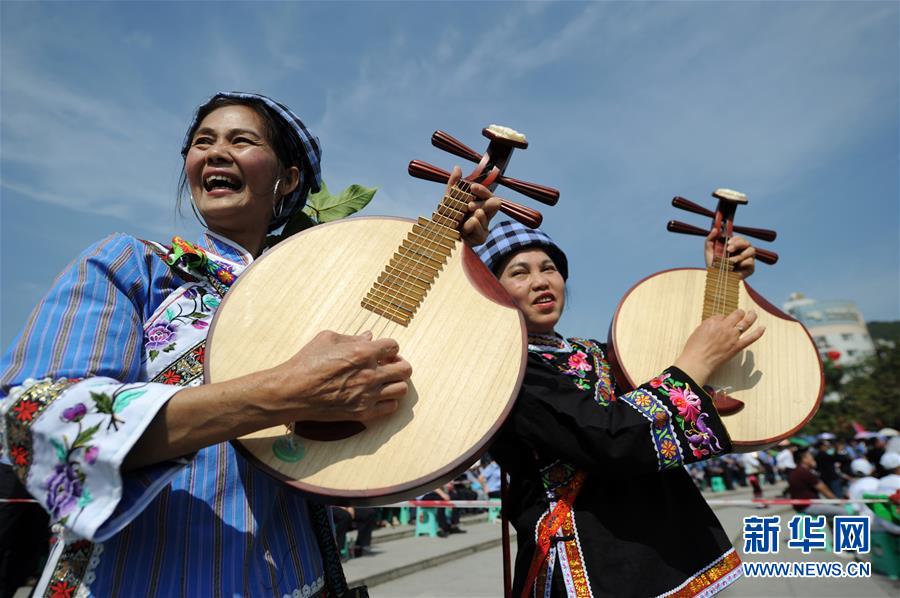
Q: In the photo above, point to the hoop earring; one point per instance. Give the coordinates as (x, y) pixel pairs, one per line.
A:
(276, 213)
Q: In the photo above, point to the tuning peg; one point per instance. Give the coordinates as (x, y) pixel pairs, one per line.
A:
(687, 205)
(450, 144)
(763, 234)
(545, 195)
(674, 226)
(429, 172)
(527, 216)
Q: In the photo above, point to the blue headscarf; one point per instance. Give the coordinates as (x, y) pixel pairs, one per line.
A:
(302, 145)
(507, 237)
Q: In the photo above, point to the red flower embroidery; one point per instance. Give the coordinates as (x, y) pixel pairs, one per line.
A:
(200, 353)
(659, 380)
(171, 377)
(61, 589)
(579, 361)
(225, 276)
(19, 454)
(25, 410)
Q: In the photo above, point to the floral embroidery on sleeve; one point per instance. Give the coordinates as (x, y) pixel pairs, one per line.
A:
(691, 418)
(692, 422)
(26, 403)
(662, 433)
(65, 488)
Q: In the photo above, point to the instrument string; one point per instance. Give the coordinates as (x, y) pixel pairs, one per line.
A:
(387, 296)
(723, 276)
(455, 193)
(411, 259)
(459, 193)
(719, 289)
(407, 263)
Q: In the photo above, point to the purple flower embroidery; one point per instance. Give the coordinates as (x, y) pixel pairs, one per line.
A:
(160, 335)
(702, 440)
(199, 324)
(74, 413)
(64, 490)
(90, 455)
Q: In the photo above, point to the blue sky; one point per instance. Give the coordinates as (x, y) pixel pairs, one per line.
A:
(625, 105)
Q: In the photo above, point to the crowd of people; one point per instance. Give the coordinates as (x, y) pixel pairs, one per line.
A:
(830, 468)
(837, 463)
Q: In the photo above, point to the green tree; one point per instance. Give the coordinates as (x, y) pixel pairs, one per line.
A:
(869, 394)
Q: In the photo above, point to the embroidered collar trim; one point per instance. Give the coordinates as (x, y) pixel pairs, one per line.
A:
(196, 262)
(552, 343)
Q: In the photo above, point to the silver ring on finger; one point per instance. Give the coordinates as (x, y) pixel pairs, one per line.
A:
(740, 329)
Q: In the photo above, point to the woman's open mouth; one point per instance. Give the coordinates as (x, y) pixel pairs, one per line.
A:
(545, 302)
(221, 183)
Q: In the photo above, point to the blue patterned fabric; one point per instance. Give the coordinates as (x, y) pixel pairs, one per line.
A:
(508, 237)
(303, 145)
(206, 525)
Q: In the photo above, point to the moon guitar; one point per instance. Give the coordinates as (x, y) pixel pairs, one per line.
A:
(765, 393)
(415, 282)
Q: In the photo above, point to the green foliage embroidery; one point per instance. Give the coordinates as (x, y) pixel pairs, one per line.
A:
(122, 401)
(61, 452)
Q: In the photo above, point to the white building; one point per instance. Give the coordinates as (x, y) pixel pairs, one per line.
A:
(837, 327)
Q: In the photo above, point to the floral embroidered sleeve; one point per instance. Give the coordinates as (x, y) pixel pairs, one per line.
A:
(71, 392)
(568, 408)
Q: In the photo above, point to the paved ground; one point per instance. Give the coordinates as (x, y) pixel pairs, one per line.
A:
(469, 565)
(478, 574)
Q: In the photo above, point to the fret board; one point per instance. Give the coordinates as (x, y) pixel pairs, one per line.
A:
(721, 294)
(403, 284)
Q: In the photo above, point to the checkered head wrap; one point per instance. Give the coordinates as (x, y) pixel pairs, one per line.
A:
(302, 145)
(508, 237)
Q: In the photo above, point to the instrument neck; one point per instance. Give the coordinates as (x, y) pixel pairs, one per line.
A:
(720, 297)
(406, 279)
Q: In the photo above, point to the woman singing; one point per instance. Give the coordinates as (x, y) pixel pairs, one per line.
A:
(107, 420)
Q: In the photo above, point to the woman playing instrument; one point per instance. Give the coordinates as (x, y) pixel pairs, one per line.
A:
(106, 417)
(598, 494)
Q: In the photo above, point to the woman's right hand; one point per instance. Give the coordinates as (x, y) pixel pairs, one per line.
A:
(339, 377)
(716, 340)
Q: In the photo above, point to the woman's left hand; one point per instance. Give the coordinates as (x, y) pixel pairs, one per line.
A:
(743, 254)
(477, 223)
